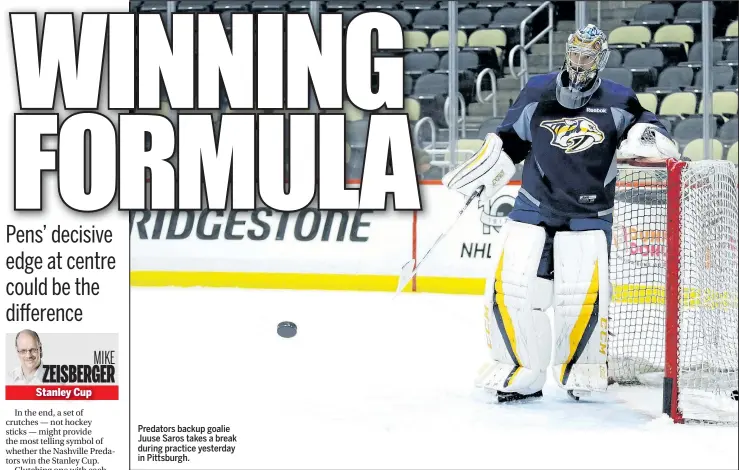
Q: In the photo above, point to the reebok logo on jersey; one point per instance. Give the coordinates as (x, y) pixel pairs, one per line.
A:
(587, 198)
(573, 135)
(596, 110)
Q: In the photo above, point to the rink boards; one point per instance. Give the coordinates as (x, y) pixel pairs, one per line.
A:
(362, 250)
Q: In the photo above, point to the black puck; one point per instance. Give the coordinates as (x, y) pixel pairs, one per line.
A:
(287, 329)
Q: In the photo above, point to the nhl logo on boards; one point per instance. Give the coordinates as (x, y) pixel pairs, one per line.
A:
(495, 213)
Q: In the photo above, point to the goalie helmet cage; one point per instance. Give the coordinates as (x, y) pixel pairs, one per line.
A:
(673, 318)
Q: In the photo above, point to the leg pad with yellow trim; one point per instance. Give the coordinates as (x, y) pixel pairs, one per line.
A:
(519, 336)
(581, 298)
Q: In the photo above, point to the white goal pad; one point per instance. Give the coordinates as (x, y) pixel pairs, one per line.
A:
(581, 296)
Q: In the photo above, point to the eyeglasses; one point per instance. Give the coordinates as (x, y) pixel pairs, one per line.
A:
(33, 351)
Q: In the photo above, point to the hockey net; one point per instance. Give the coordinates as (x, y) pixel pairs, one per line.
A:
(673, 319)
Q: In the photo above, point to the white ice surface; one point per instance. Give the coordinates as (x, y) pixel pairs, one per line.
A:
(372, 382)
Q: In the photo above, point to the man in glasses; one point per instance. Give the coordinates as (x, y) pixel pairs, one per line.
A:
(28, 347)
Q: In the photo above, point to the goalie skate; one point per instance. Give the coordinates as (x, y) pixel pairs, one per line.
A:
(507, 397)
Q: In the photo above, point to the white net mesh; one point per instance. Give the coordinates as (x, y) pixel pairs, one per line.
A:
(708, 276)
(707, 279)
(637, 267)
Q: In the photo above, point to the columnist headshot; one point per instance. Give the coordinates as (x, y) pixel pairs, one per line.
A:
(29, 370)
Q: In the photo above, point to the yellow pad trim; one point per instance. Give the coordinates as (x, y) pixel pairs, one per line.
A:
(509, 332)
(582, 320)
(513, 376)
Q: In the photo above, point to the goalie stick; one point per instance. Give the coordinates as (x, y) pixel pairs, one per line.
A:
(410, 268)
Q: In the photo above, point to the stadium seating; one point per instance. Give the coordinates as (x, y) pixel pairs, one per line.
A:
(724, 103)
(694, 150)
(691, 128)
(653, 14)
(655, 50)
(648, 101)
(678, 104)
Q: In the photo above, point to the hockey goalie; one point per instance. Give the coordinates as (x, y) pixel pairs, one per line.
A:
(569, 128)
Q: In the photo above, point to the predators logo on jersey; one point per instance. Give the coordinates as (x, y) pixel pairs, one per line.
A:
(573, 135)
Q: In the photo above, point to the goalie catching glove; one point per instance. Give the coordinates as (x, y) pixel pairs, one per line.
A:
(490, 168)
(647, 141)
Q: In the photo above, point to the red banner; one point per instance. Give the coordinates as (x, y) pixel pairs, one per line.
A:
(61, 392)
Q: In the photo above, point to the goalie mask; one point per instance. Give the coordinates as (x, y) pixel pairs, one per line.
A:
(586, 54)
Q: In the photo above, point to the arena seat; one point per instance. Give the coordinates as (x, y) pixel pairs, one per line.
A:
(696, 52)
(194, 6)
(337, 5)
(615, 59)
(644, 58)
(461, 4)
(721, 76)
(691, 13)
(440, 39)
(431, 20)
(356, 133)
(674, 40)
(466, 60)
(474, 18)
(492, 5)
(301, 5)
(381, 4)
(404, 17)
(724, 103)
(230, 6)
(732, 53)
(629, 37)
(677, 33)
(415, 39)
(154, 7)
(653, 14)
(267, 5)
(488, 38)
(407, 84)
(645, 65)
(431, 84)
(618, 75)
(691, 128)
(729, 132)
(509, 19)
(648, 101)
(678, 104)
(733, 29)
(494, 40)
(351, 112)
(694, 150)
(418, 63)
(672, 79)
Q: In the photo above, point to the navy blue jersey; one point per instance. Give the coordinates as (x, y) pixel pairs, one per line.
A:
(570, 154)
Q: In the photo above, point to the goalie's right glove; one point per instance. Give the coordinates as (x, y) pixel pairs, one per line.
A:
(646, 140)
(490, 168)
